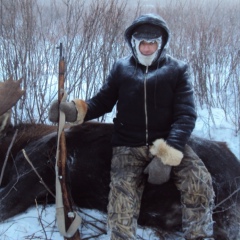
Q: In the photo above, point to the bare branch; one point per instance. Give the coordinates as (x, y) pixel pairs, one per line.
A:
(34, 169)
(6, 158)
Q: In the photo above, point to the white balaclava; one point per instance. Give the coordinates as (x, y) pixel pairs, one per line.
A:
(143, 59)
(149, 33)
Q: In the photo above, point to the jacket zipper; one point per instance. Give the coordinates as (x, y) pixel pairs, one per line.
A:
(145, 104)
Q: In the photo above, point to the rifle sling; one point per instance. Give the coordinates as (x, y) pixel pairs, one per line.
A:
(59, 200)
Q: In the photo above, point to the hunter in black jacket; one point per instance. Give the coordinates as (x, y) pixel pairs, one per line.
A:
(154, 120)
(157, 99)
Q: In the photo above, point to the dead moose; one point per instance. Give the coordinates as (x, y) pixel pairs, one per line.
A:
(89, 156)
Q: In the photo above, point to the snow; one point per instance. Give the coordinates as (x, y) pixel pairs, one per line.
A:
(216, 127)
(39, 222)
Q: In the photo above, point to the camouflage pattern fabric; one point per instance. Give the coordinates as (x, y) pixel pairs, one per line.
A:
(126, 188)
(197, 196)
(127, 183)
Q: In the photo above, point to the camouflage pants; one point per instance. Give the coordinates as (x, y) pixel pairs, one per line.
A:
(127, 184)
(197, 196)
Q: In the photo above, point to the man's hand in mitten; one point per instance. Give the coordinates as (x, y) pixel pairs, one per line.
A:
(75, 111)
(168, 155)
(165, 157)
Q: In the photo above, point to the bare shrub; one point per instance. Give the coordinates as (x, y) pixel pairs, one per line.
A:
(204, 34)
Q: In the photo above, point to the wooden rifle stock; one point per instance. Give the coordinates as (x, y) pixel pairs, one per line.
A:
(62, 156)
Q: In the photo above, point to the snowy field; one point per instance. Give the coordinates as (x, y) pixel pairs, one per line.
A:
(39, 223)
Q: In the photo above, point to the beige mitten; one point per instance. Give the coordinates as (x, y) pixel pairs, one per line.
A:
(81, 107)
(168, 155)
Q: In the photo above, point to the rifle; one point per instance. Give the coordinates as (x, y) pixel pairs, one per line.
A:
(68, 221)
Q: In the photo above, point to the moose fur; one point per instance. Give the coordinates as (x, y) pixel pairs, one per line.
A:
(89, 157)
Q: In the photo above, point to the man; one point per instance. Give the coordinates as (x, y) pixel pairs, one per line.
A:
(154, 120)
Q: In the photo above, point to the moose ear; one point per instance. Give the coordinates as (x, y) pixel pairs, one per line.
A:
(10, 93)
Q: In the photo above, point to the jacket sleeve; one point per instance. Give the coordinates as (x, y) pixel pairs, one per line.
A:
(184, 115)
(104, 101)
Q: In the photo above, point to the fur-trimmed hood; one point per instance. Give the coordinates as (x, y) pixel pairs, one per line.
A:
(155, 20)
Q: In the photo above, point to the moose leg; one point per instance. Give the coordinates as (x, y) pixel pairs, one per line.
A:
(197, 196)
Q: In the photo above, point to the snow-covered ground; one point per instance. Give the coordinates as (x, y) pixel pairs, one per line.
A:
(39, 223)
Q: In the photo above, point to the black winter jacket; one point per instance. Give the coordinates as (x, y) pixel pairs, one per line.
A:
(152, 103)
